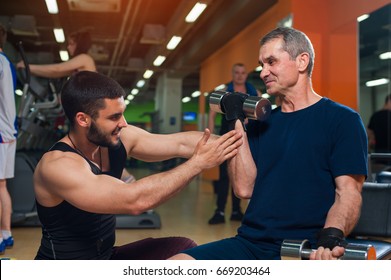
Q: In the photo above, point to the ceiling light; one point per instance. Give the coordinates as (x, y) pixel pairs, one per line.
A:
(140, 83)
(173, 42)
(265, 95)
(195, 12)
(220, 87)
(135, 91)
(362, 17)
(186, 99)
(52, 6)
(19, 92)
(258, 69)
(59, 34)
(147, 74)
(127, 102)
(196, 94)
(377, 82)
(96, 6)
(159, 60)
(386, 55)
(130, 97)
(288, 23)
(64, 55)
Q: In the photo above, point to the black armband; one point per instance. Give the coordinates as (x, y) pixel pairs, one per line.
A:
(331, 237)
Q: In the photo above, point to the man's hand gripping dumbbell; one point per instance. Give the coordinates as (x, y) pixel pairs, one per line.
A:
(330, 239)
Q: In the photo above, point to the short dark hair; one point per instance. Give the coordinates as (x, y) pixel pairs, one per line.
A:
(3, 35)
(238, 64)
(86, 91)
(295, 43)
(82, 40)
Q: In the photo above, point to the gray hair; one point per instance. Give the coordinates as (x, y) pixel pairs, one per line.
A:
(295, 43)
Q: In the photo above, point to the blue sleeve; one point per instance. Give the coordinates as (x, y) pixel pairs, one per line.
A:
(253, 132)
(251, 90)
(349, 154)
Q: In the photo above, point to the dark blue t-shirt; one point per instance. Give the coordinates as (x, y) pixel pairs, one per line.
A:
(298, 155)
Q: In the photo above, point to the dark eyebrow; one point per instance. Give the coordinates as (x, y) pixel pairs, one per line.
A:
(270, 58)
(116, 115)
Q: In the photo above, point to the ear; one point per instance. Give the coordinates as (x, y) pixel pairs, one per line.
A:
(302, 61)
(82, 119)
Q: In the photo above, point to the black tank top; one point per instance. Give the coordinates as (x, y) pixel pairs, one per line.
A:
(70, 233)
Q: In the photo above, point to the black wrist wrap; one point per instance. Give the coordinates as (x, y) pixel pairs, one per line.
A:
(330, 238)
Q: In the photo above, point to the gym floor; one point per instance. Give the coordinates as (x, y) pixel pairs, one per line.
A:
(187, 215)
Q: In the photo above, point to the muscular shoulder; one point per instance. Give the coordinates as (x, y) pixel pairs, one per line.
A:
(52, 157)
(56, 163)
(54, 172)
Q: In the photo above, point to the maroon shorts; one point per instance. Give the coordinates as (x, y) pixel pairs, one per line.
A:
(152, 248)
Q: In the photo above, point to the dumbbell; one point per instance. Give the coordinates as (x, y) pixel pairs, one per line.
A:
(254, 107)
(301, 250)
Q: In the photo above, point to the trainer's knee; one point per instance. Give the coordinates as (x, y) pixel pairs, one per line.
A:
(183, 243)
(181, 257)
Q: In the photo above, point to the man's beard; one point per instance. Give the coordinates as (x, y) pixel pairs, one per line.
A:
(99, 138)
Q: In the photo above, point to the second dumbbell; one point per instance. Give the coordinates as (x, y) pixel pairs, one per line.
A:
(301, 250)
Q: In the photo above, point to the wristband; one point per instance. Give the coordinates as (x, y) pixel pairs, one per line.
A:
(331, 237)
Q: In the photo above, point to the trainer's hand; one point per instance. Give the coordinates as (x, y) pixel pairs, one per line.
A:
(20, 64)
(327, 254)
(208, 154)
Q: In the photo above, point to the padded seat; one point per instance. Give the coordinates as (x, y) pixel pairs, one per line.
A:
(383, 248)
(375, 219)
(383, 177)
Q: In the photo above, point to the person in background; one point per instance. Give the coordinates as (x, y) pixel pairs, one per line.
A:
(8, 134)
(302, 169)
(222, 185)
(379, 129)
(78, 45)
(379, 136)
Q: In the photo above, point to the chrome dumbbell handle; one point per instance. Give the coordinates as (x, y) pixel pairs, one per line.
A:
(301, 250)
(293, 249)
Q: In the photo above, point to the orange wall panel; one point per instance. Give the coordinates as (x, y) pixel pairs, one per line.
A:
(331, 26)
(335, 22)
(343, 68)
(244, 48)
